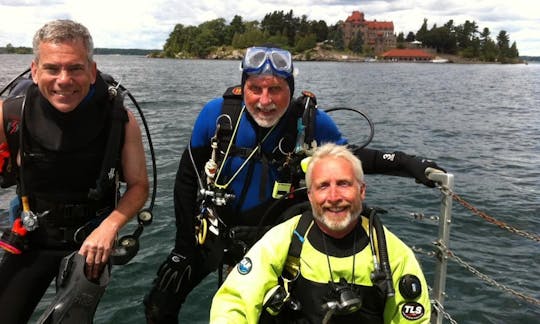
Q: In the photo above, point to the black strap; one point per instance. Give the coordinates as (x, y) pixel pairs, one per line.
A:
(232, 106)
(11, 112)
(308, 116)
(111, 159)
(295, 248)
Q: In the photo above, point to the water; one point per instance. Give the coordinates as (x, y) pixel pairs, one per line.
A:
(479, 122)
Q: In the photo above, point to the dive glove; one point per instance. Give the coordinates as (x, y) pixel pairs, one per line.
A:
(416, 167)
(175, 270)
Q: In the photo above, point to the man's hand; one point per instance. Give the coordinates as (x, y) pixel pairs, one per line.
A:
(97, 248)
(173, 272)
(416, 167)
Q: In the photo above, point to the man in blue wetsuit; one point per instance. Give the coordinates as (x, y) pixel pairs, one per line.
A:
(239, 163)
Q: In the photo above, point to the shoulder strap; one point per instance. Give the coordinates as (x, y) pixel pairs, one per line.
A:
(232, 106)
(115, 139)
(292, 265)
(299, 130)
(11, 112)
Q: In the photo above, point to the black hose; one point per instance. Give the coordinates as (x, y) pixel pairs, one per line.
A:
(383, 255)
(371, 126)
(150, 146)
(10, 83)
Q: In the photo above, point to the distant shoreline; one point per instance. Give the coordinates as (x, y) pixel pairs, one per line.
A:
(312, 56)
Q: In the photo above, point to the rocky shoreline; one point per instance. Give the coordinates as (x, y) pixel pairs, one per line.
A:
(325, 54)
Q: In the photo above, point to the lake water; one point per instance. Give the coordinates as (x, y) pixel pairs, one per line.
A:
(480, 122)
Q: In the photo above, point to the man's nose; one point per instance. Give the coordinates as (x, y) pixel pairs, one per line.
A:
(265, 98)
(64, 75)
(334, 193)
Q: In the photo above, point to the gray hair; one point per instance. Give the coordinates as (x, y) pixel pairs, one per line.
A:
(62, 30)
(334, 151)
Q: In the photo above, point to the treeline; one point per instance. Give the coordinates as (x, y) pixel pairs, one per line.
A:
(123, 51)
(279, 28)
(10, 49)
(465, 40)
(298, 34)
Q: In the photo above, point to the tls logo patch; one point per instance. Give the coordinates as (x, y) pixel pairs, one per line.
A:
(412, 311)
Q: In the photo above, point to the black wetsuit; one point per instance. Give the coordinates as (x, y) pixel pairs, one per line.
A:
(63, 155)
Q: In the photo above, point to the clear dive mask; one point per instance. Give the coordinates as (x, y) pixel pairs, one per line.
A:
(264, 60)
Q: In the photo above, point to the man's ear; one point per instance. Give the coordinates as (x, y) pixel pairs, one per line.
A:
(93, 70)
(33, 70)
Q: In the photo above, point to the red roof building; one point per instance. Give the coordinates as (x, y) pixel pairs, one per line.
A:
(378, 36)
(414, 55)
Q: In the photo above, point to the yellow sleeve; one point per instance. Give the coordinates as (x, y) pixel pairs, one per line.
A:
(240, 298)
(398, 309)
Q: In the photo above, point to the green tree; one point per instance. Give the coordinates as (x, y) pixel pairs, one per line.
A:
(421, 34)
(400, 40)
(174, 43)
(252, 36)
(410, 37)
(235, 27)
(514, 53)
(306, 42)
(490, 51)
(356, 43)
(335, 36)
(10, 49)
(320, 29)
(503, 43)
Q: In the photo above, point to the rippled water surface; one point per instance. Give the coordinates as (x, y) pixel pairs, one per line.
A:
(479, 122)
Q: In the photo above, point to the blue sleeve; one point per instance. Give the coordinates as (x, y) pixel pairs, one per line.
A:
(205, 124)
(326, 130)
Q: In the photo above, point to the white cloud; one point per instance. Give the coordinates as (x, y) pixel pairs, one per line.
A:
(147, 24)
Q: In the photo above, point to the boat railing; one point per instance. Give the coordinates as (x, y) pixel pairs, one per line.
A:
(446, 182)
(443, 253)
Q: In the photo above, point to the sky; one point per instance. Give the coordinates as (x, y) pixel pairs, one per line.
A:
(147, 24)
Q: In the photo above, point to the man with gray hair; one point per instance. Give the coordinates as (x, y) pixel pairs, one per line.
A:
(63, 126)
(335, 263)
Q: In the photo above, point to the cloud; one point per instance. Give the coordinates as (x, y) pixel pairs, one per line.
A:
(147, 24)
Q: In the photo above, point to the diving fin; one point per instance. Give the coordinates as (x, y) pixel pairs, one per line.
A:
(76, 297)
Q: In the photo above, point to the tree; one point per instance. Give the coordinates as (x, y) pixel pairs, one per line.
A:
(320, 29)
(514, 53)
(400, 40)
(503, 43)
(306, 42)
(422, 32)
(174, 43)
(335, 35)
(235, 27)
(356, 43)
(410, 37)
(10, 49)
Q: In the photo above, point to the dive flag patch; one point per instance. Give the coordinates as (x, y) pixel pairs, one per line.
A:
(244, 266)
(412, 311)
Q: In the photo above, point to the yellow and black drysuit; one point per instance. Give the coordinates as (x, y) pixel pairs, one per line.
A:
(243, 294)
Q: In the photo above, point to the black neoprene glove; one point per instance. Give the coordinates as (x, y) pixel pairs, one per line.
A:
(416, 167)
(173, 272)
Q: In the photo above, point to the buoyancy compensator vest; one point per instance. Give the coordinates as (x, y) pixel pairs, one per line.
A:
(69, 162)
